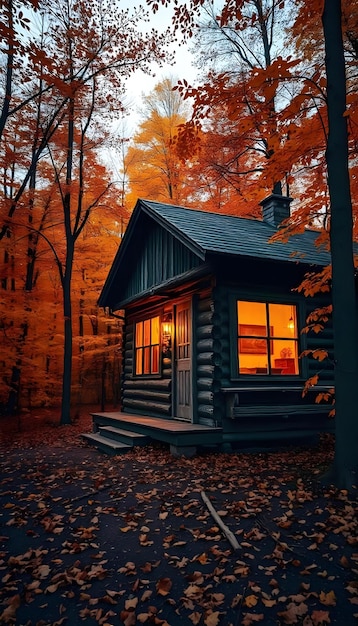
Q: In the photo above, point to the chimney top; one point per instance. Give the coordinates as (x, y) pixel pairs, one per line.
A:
(275, 209)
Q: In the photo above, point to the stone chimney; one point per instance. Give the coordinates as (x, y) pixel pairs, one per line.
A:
(275, 209)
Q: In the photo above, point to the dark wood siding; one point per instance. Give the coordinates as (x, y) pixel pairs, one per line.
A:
(146, 396)
(261, 416)
(207, 363)
(159, 257)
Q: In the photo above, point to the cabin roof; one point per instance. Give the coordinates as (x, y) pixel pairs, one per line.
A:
(206, 234)
(238, 236)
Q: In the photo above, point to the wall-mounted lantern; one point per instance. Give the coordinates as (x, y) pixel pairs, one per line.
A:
(166, 332)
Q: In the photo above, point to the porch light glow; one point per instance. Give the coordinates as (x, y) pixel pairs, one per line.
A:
(167, 331)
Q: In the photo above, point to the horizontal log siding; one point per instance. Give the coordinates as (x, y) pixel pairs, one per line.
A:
(161, 257)
(145, 396)
(207, 365)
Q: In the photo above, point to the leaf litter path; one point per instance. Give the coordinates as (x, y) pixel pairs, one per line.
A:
(90, 539)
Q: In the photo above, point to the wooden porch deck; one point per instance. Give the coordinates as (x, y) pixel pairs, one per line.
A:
(116, 432)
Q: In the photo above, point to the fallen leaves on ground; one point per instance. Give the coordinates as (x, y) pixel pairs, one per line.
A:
(108, 540)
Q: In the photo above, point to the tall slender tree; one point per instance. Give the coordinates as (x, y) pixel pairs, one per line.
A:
(345, 320)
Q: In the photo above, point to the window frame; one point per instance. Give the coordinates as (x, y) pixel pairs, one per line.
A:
(234, 343)
(141, 320)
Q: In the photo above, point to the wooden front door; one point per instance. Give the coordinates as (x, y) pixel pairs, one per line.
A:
(183, 391)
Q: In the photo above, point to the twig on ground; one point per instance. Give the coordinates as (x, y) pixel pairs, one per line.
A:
(227, 532)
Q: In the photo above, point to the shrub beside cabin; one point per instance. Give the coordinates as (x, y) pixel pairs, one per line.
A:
(212, 331)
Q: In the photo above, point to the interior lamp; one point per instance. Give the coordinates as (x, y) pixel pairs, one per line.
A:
(291, 323)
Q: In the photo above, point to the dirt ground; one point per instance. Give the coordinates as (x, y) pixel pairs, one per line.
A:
(91, 539)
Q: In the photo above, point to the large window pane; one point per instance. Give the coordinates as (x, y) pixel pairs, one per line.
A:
(267, 338)
(155, 359)
(155, 330)
(146, 340)
(139, 361)
(147, 346)
(146, 368)
(283, 320)
(252, 313)
(139, 334)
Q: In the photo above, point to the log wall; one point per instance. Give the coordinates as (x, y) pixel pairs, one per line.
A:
(149, 396)
(207, 363)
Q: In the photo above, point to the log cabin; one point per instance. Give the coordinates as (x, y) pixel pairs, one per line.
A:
(212, 330)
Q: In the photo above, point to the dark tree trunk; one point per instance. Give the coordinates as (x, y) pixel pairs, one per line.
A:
(67, 354)
(344, 471)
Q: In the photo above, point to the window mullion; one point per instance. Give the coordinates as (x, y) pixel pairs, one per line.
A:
(268, 338)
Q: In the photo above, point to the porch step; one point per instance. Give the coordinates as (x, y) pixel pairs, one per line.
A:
(124, 436)
(109, 446)
(126, 430)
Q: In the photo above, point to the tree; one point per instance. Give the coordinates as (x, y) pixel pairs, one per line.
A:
(153, 165)
(59, 81)
(243, 42)
(345, 321)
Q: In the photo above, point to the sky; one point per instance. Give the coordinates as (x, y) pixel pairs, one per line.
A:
(142, 84)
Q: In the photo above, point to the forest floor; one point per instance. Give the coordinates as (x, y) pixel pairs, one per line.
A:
(91, 539)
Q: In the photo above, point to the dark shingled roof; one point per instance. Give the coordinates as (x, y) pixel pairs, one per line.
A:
(207, 235)
(212, 233)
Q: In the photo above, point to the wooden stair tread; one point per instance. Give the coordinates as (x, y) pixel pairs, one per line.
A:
(122, 431)
(106, 441)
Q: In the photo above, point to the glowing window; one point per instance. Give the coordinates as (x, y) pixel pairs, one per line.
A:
(147, 347)
(267, 338)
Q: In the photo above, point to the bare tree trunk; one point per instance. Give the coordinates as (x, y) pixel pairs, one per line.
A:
(345, 321)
